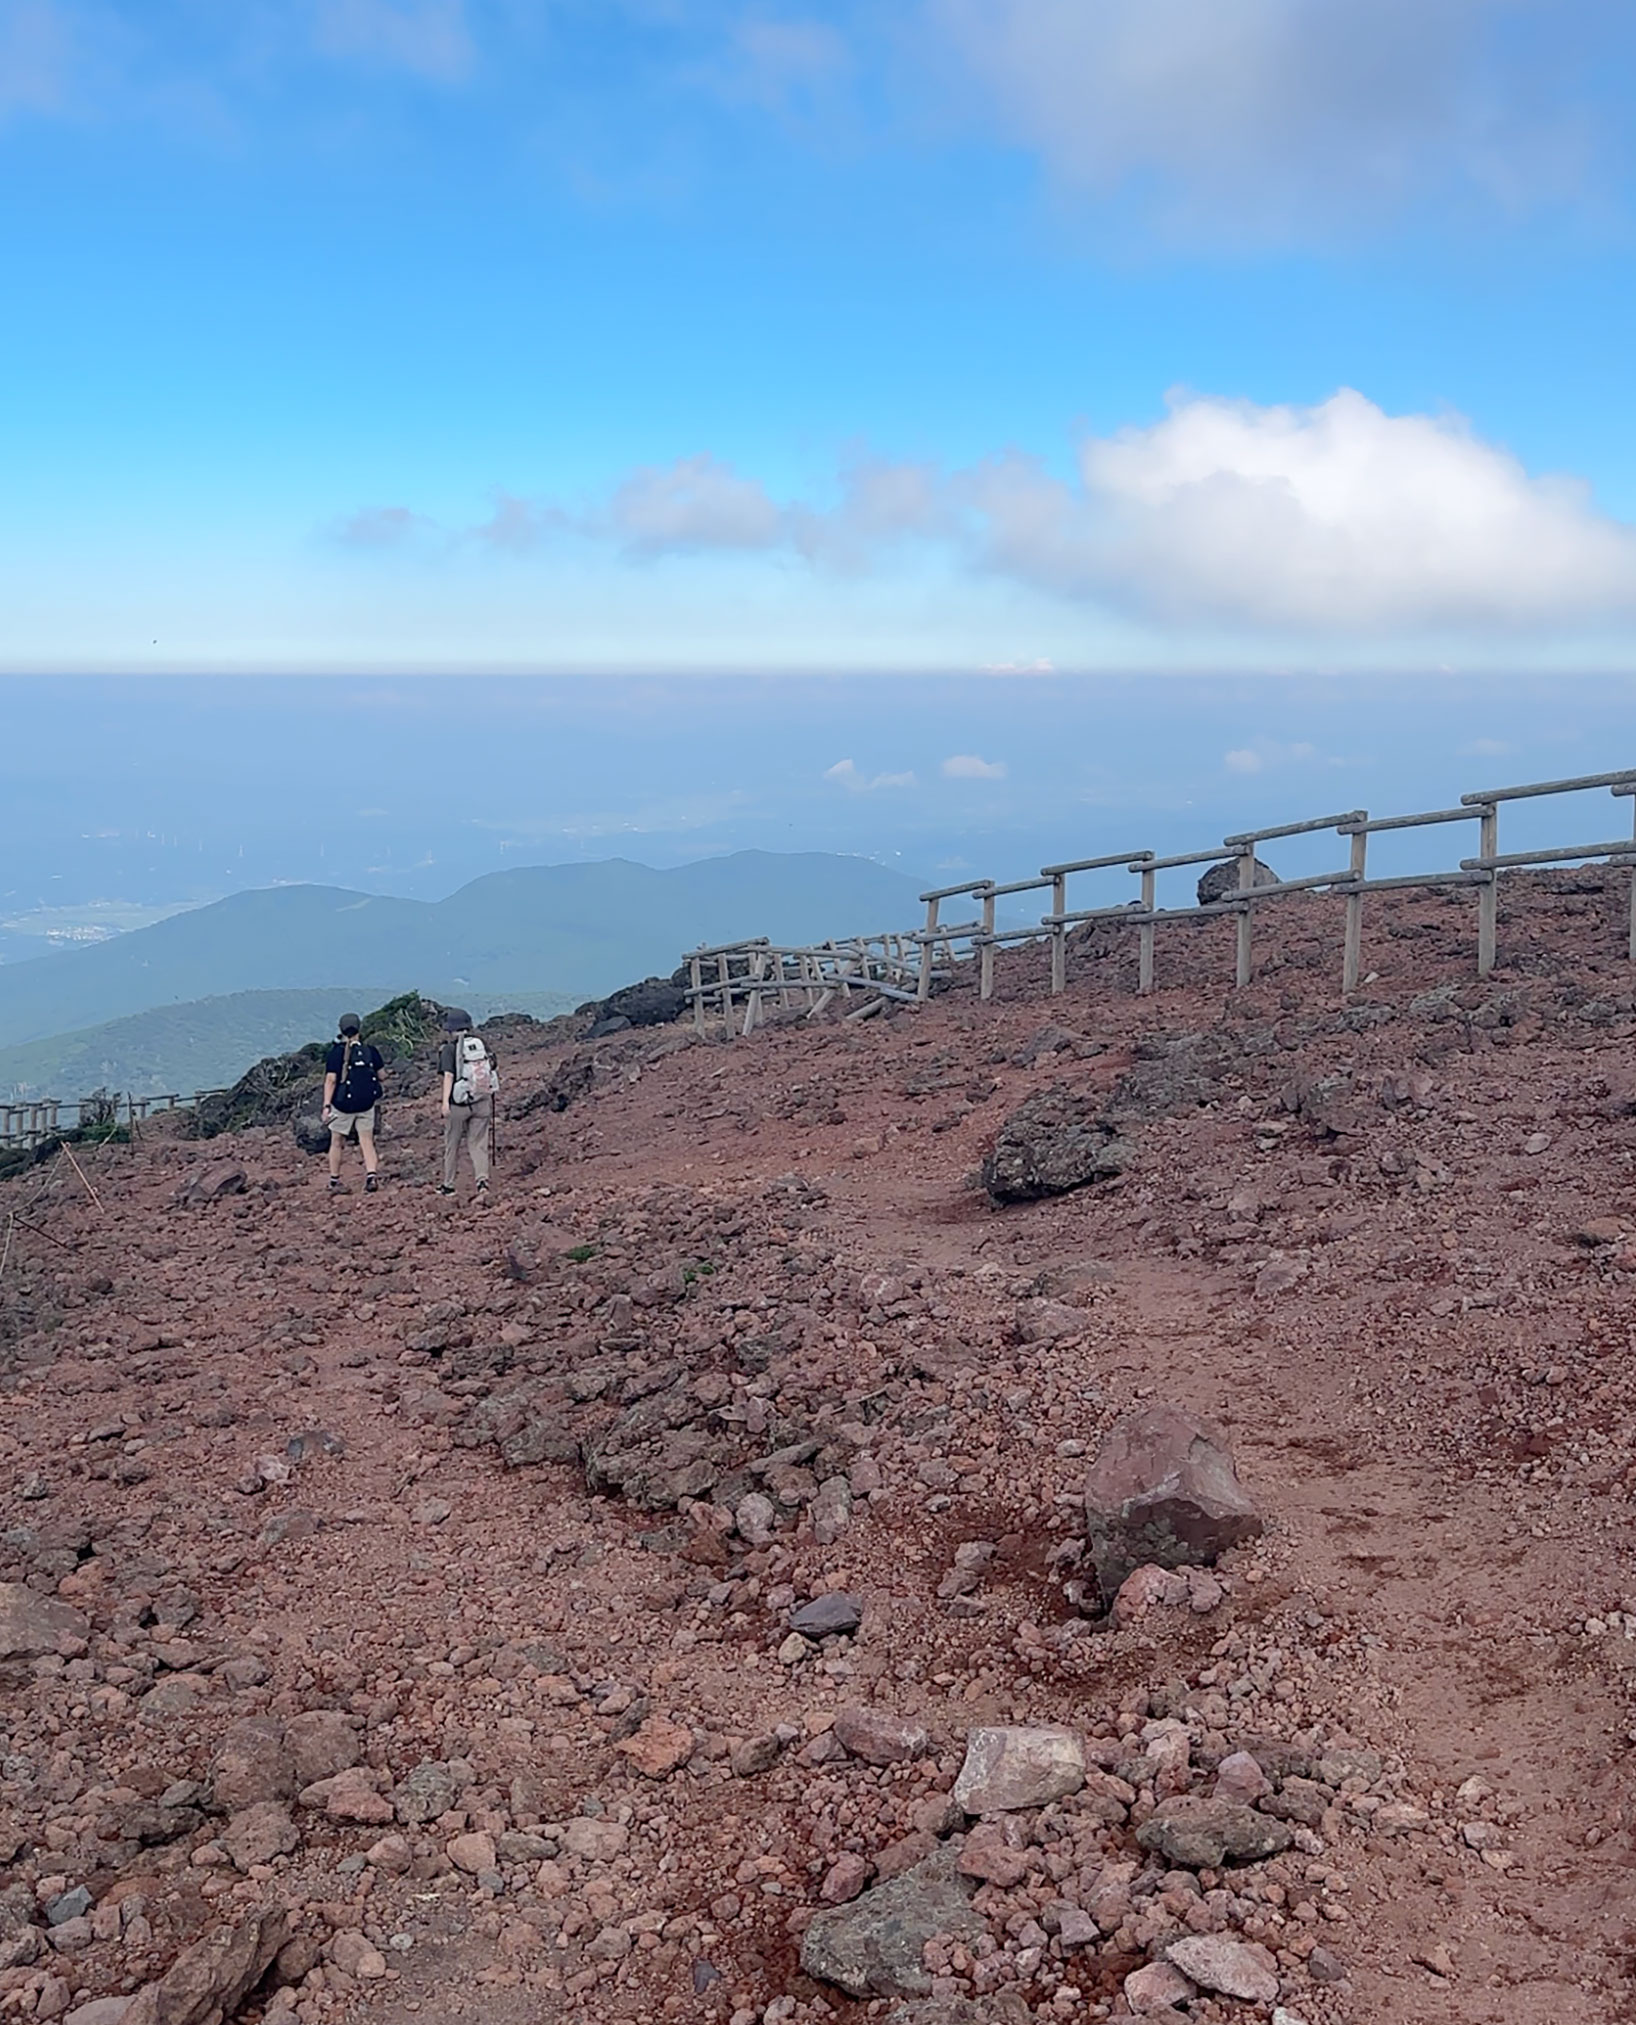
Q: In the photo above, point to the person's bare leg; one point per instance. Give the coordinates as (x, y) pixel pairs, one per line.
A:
(335, 1156)
(366, 1146)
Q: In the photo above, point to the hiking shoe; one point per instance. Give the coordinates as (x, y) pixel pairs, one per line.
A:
(443, 1188)
(371, 1183)
(482, 1188)
(336, 1185)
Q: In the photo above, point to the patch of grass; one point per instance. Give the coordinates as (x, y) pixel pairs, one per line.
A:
(580, 1254)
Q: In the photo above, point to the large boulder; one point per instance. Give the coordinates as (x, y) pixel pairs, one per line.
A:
(1163, 1490)
(1221, 880)
(872, 1947)
(209, 1981)
(1054, 1141)
(655, 1002)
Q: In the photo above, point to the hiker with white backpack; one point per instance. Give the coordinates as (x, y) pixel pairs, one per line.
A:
(470, 1083)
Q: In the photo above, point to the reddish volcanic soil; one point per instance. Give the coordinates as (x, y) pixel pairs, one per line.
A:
(410, 1612)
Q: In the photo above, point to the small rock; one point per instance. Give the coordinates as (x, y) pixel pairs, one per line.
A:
(253, 1762)
(69, 1905)
(595, 1838)
(1146, 1589)
(989, 1855)
(845, 1878)
(658, 1748)
(321, 1742)
(432, 1511)
(1012, 1768)
(471, 1853)
(31, 1626)
(259, 1834)
(879, 1737)
(755, 1755)
(1198, 1834)
(1159, 1987)
(1240, 1778)
(753, 1515)
(349, 1796)
(827, 1616)
(354, 1955)
(1231, 1968)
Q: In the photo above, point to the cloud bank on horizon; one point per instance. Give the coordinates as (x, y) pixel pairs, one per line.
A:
(1336, 519)
(461, 333)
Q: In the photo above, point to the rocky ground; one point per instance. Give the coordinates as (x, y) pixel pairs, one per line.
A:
(663, 1592)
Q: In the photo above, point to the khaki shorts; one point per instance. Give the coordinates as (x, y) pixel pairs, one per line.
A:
(343, 1124)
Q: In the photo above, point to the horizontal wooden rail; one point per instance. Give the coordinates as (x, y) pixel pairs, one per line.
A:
(1298, 829)
(1625, 777)
(1379, 823)
(1625, 848)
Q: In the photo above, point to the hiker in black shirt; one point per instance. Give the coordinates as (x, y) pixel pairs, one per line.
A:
(352, 1089)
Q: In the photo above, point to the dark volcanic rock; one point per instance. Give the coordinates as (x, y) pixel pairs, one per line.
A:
(1221, 880)
(1054, 1141)
(655, 1002)
(1200, 1834)
(1162, 1490)
(873, 1946)
(310, 1134)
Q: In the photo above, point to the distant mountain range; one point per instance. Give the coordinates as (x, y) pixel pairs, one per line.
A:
(575, 930)
(206, 1043)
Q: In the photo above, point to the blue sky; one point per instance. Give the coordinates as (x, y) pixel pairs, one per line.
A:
(702, 337)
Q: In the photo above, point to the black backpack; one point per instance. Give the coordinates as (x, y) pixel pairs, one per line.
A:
(358, 1087)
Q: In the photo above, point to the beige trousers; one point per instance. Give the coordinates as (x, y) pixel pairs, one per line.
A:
(468, 1122)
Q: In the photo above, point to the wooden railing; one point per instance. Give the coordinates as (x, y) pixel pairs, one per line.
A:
(32, 1122)
(880, 969)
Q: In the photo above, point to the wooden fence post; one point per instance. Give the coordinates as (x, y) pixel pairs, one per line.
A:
(1633, 885)
(1352, 961)
(1488, 897)
(923, 986)
(1059, 936)
(1246, 880)
(1144, 960)
(985, 988)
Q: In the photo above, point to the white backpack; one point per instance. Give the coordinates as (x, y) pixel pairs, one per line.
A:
(475, 1074)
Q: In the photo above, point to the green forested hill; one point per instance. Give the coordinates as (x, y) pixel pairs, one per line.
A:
(576, 930)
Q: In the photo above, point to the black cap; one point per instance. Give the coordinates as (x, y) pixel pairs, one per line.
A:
(350, 1024)
(455, 1021)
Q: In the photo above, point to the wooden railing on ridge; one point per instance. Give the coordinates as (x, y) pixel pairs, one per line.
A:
(869, 972)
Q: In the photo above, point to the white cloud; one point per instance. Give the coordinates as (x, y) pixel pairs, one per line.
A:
(1266, 753)
(967, 766)
(378, 527)
(781, 66)
(1330, 522)
(695, 503)
(429, 37)
(517, 524)
(845, 774)
(1278, 117)
(1333, 518)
